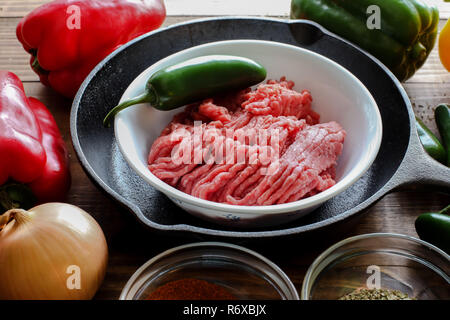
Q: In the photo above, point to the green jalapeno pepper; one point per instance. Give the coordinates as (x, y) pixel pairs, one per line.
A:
(435, 228)
(193, 80)
(430, 142)
(442, 116)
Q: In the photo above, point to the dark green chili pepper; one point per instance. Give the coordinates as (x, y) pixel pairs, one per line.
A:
(442, 116)
(430, 142)
(435, 228)
(193, 80)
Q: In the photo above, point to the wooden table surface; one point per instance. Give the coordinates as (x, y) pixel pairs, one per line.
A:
(131, 244)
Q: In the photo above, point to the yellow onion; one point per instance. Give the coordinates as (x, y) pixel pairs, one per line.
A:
(52, 251)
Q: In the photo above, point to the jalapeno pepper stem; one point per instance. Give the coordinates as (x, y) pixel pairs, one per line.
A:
(148, 97)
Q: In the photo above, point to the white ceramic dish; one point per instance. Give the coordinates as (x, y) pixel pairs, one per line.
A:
(337, 95)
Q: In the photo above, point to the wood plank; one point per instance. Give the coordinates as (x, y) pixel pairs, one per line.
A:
(12, 55)
(19, 8)
(252, 7)
(228, 7)
(424, 99)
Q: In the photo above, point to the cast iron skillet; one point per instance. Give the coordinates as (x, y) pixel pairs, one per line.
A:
(401, 159)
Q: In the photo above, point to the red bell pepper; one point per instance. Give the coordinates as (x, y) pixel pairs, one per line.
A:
(54, 181)
(68, 38)
(34, 161)
(22, 155)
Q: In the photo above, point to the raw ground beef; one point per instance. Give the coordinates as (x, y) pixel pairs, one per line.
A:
(231, 162)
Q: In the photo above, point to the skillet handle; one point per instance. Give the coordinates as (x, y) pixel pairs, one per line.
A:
(418, 167)
(305, 32)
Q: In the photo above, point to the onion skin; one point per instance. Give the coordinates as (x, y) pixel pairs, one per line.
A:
(37, 247)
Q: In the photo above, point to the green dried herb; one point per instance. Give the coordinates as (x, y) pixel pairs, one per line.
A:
(376, 294)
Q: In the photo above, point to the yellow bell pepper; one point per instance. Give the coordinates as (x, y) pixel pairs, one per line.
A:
(444, 45)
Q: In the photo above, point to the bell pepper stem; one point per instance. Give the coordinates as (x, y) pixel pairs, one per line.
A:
(37, 67)
(147, 97)
(446, 210)
(15, 195)
(418, 52)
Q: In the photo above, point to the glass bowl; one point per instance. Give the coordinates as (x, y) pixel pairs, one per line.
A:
(244, 273)
(383, 261)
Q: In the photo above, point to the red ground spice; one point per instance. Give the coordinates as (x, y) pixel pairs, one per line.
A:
(190, 289)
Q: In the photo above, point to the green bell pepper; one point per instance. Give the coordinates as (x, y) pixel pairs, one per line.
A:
(407, 33)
